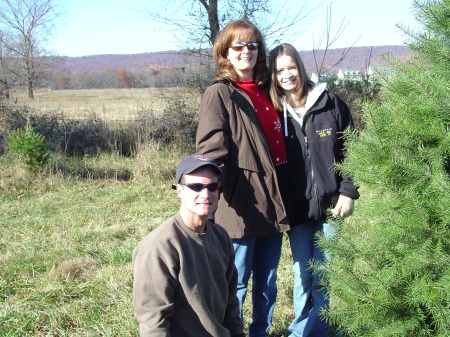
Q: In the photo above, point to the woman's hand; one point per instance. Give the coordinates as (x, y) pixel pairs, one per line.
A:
(344, 206)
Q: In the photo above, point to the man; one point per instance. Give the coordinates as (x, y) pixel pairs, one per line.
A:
(184, 275)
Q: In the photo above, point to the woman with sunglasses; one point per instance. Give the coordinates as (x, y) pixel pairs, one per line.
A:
(314, 119)
(240, 129)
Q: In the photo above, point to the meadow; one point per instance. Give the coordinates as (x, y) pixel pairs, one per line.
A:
(67, 235)
(109, 104)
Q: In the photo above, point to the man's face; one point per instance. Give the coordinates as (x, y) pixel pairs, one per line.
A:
(199, 203)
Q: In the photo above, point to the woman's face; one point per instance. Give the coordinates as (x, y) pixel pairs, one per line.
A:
(243, 53)
(287, 73)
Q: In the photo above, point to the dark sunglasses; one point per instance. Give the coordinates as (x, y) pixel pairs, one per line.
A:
(241, 46)
(197, 187)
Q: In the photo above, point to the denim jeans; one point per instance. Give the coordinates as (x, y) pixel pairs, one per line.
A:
(260, 256)
(309, 296)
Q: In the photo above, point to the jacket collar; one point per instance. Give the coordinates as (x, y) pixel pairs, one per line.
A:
(311, 100)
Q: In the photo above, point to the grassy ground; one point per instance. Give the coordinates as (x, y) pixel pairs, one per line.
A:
(66, 243)
(68, 233)
(108, 104)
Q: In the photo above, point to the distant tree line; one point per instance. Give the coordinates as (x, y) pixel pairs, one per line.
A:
(126, 78)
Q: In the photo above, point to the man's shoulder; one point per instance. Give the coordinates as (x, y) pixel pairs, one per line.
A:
(158, 237)
(165, 227)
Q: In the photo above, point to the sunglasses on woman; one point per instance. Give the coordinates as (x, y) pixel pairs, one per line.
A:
(197, 187)
(241, 46)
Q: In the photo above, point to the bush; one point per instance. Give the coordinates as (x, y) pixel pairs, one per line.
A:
(78, 137)
(30, 147)
(12, 117)
(176, 125)
(356, 94)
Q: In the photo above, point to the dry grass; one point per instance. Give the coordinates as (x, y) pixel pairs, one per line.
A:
(108, 104)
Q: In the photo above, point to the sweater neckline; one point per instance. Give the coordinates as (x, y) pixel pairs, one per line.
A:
(249, 86)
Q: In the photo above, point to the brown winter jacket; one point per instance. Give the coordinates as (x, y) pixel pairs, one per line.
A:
(230, 132)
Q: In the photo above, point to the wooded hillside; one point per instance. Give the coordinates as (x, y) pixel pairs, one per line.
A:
(357, 58)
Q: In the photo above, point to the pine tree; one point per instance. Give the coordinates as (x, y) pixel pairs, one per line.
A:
(30, 147)
(390, 269)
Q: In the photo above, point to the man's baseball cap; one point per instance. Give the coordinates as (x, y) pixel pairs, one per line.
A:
(191, 163)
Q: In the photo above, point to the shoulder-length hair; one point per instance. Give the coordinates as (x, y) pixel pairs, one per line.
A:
(304, 84)
(225, 38)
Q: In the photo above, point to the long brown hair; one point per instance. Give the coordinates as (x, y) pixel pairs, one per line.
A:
(223, 41)
(304, 84)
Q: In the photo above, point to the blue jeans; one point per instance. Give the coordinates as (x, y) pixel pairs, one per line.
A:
(309, 296)
(259, 255)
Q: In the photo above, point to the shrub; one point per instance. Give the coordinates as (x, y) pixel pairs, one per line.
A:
(91, 136)
(30, 147)
(176, 125)
(12, 117)
(356, 95)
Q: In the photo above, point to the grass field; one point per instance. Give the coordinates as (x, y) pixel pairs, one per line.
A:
(66, 246)
(67, 235)
(108, 104)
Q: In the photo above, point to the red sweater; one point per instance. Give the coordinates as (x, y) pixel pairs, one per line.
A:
(268, 118)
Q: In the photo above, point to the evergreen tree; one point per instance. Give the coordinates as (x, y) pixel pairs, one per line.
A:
(30, 147)
(390, 269)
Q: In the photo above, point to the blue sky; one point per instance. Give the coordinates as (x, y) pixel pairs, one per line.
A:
(90, 27)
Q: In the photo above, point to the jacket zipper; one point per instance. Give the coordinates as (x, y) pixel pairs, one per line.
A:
(313, 179)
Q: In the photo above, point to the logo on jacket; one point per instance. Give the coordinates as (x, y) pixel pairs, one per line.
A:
(324, 132)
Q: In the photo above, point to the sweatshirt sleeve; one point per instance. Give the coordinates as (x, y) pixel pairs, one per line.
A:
(213, 130)
(153, 289)
(345, 121)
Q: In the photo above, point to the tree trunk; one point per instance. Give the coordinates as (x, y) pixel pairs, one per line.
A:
(30, 88)
(213, 18)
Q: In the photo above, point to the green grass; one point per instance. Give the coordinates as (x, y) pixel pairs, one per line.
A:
(67, 238)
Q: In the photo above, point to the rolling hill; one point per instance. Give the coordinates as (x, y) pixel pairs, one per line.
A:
(355, 58)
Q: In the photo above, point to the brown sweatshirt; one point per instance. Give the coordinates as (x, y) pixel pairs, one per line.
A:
(185, 282)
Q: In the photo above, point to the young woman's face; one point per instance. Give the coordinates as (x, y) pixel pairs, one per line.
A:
(243, 53)
(287, 73)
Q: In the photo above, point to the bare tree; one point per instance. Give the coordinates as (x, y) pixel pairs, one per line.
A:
(200, 21)
(212, 9)
(9, 67)
(30, 22)
(324, 43)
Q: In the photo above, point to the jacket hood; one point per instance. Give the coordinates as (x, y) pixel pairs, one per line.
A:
(311, 99)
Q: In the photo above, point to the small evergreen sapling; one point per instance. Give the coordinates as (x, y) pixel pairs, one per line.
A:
(30, 147)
